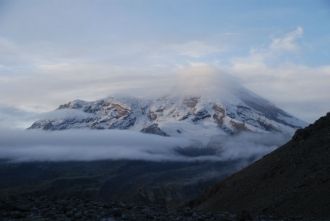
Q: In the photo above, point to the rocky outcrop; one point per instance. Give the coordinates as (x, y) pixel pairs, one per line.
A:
(219, 114)
(152, 116)
(191, 102)
(200, 115)
(238, 127)
(154, 129)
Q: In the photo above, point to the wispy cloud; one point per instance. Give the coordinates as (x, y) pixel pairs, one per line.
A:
(287, 42)
(301, 89)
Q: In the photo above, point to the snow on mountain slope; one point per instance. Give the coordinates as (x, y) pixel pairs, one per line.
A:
(191, 116)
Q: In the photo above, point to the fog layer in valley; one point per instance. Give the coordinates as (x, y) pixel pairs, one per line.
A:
(88, 145)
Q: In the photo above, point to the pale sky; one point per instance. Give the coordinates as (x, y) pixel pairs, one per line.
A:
(54, 51)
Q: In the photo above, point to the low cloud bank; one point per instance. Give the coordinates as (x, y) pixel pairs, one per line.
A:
(35, 145)
(247, 145)
(88, 145)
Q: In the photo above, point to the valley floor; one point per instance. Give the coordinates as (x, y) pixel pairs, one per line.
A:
(26, 208)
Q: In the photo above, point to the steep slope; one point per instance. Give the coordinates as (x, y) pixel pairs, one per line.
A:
(189, 116)
(294, 180)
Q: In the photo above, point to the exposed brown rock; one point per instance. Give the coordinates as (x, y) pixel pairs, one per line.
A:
(219, 114)
(152, 115)
(120, 110)
(191, 101)
(154, 129)
(238, 127)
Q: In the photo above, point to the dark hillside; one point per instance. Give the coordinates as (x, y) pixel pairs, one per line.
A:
(294, 180)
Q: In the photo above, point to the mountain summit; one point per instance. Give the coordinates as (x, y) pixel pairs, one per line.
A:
(226, 110)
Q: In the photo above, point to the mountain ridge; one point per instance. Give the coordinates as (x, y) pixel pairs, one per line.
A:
(178, 116)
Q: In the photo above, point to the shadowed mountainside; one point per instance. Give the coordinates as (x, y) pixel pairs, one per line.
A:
(294, 180)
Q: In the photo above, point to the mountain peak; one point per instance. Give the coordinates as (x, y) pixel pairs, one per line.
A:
(179, 116)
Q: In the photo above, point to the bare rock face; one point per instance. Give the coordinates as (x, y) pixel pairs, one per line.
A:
(152, 115)
(154, 129)
(219, 114)
(238, 127)
(200, 115)
(191, 102)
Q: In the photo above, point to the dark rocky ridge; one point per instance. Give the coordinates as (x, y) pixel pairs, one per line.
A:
(294, 180)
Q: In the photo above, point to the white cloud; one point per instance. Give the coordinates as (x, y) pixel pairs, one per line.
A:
(300, 89)
(34, 145)
(288, 42)
(43, 77)
(278, 47)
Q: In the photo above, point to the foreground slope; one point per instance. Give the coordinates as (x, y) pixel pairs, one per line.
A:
(294, 180)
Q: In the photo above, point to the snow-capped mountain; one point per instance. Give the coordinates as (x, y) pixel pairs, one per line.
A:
(189, 116)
